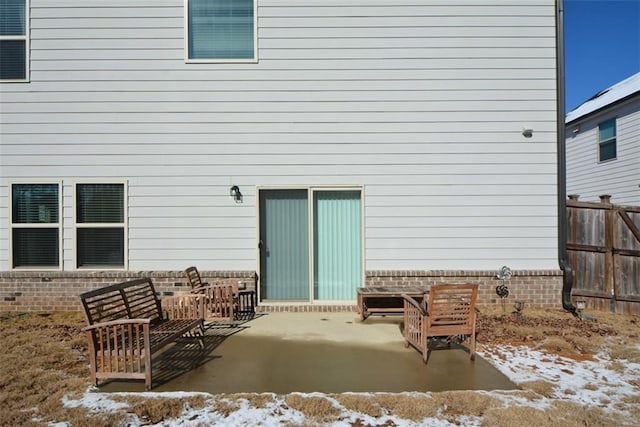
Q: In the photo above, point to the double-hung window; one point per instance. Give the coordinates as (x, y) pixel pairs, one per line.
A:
(607, 140)
(100, 225)
(220, 30)
(36, 227)
(14, 40)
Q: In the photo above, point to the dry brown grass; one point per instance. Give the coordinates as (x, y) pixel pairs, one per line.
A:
(255, 400)
(316, 409)
(363, 404)
(45, 359)
(622, 350)
(563, 413)
(225, 407)
(555, 344)
(541, 387)
(156, 409)
(466, 402)
(631, 404)
(558, 332)
(409, 407)
(226, 404)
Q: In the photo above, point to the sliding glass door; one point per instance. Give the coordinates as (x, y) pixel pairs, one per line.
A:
(337, 244)
(284, 245)
(310, 244)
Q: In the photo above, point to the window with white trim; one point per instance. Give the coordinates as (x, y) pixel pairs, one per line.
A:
(14, 40)
(36, 227)
(220, 30)
(607, 149)
(100, 225)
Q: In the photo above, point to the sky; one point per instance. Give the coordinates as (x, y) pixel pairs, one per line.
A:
(602, 46)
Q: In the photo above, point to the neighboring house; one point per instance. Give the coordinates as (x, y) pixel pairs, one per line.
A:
(603, 145)
(317, 145)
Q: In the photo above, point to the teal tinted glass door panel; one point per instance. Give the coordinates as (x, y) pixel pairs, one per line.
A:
(284, 253)
(337, 244)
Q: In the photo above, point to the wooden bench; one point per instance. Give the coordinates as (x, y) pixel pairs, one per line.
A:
(128, 324)
(222, 301)
(450, 313)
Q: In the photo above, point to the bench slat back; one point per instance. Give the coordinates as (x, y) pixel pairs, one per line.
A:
(194, 279)
(142, 301)
(126, 300)
(452, 307)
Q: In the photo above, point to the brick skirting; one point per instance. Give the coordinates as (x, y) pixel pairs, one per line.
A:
(537, 288)
(23, 291)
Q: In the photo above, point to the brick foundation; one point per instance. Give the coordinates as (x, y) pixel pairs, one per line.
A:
(22, 291)
(537, 288)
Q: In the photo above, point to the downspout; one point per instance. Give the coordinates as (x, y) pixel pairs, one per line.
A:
(563, 261)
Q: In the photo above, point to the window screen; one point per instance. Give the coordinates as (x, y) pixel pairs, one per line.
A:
(100, 218)
(221, 29)
(13, 39)
(607, 140)
(35, 225)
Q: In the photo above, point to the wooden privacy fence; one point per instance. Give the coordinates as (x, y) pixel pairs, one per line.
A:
(603, 246)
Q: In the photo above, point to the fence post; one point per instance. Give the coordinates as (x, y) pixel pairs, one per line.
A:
(572, 230)
(609, 239)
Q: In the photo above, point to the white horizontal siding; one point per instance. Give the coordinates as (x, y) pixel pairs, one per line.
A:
(289, 107)
(421, 102)
(274, 98)
(299, 174)
(619, 178)
(201, 81)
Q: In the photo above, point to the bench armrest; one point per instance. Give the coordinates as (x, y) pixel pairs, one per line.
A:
(116, 323)
(411, 302)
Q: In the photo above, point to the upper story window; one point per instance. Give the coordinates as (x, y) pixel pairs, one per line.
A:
(36, 226)
(100, 225)
(14, 40)
(607, 140)
(220, 30)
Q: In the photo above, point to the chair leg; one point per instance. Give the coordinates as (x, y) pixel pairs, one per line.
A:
(472, 346)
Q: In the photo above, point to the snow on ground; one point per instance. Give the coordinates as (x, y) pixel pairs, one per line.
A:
(598, 382)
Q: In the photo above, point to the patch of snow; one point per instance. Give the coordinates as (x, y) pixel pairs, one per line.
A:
(593, 383)
(97, 402)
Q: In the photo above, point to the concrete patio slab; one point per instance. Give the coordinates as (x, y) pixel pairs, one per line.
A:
(307, 352)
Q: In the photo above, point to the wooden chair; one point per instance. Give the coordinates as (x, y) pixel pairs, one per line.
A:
(220, 301)
(195, 281)
(450, 314)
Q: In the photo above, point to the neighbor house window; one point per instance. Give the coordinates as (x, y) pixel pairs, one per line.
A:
(220, 30)
(35, 225)
(100, 225)
(14, 40)
(607, 140)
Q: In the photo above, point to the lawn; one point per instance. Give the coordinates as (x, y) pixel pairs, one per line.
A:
(570, 372)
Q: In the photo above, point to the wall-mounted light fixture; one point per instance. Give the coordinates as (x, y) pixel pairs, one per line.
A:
(235, 194)
(527, 132)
